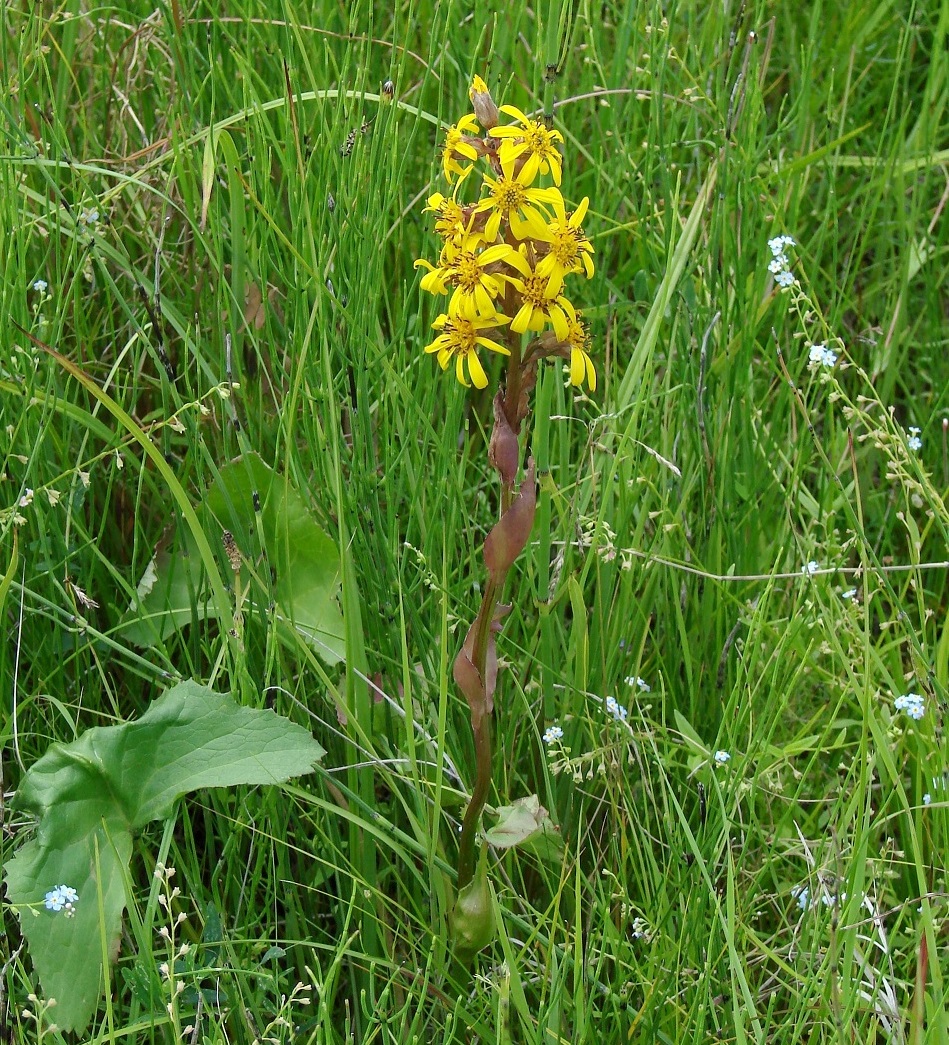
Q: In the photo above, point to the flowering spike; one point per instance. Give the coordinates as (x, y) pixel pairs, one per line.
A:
(506, 260)
(513, 250)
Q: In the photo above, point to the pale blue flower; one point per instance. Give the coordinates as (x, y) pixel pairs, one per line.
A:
(810, 568)
(821, 355)
(913, 704)
(779, 266)
(552, 733)
(721, 757)
(63, 897)
(806, 902)
(779, 243)
(927, 799)
(616, 709)
(40, 286)
(914, 442)
(850, 593)
(803, 896)
(635, 680)
(53, 901)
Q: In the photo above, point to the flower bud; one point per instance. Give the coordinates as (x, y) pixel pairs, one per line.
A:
(483, 104)
(472, 920)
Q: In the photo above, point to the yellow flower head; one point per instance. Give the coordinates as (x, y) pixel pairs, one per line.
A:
(531, 138)
(459, 147)
(578, 340)
(459, 339)
(539, 307)
(451, 222)
(511, 197)
(465, 267)
(568, 248)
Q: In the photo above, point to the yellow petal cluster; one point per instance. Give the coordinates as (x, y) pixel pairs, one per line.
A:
(510, 250)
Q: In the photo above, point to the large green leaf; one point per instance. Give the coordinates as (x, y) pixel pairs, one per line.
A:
(291, 567)
(91, 795)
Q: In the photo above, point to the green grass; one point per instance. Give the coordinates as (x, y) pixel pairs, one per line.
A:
(678, 505)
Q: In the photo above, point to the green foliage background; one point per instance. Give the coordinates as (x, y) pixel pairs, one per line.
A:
(217, 194)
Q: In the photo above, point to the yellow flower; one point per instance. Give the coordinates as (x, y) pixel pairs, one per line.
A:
(569, 249)
(451, 222)
(539, 306)
(458, 146)
(534, 139)
(578, 340)
(511, 197)
(459, 338)
(464, 267)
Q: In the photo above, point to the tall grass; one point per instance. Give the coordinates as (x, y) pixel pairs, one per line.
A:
(213, 195)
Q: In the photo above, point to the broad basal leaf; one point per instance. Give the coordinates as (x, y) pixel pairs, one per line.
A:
(291, 567)
(91, 795)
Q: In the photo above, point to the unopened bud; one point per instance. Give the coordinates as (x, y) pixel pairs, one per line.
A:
(472, 921)
(483, 104)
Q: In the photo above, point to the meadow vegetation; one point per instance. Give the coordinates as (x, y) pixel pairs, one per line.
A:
(724, 672)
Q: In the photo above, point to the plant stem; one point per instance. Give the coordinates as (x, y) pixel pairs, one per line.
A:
(481, 724)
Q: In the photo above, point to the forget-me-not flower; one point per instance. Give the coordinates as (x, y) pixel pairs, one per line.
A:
(615, 709)
(780, 266)
(913, 704)
(821, 355)
(62, 898)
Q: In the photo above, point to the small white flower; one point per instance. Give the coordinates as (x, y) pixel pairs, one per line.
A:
(810, 568)
(721, 757)
(914, 442)
(779, 263)
(40, 286)
(27, 499)
(639, 930)
(552, 733)
(635, 680)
